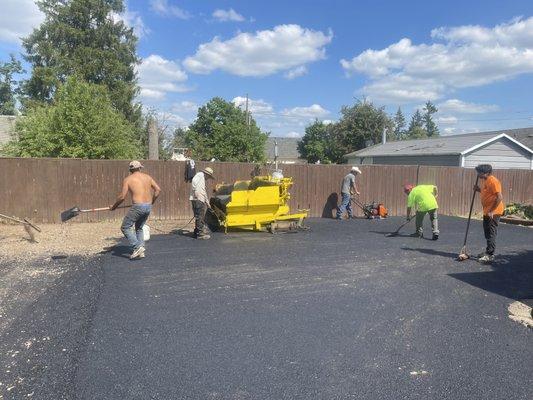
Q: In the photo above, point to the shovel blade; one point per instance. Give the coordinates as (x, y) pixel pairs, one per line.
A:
(70, 213)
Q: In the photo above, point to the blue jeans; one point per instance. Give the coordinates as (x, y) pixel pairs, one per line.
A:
(136, 217)
(346, 205)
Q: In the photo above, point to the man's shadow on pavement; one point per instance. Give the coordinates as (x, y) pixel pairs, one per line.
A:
(392, 235)
(117, 251)
(511, 275)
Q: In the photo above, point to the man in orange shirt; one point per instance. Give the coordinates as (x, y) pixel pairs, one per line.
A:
(491, 200)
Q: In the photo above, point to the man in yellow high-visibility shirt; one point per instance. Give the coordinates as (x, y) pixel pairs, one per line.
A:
(424, 199)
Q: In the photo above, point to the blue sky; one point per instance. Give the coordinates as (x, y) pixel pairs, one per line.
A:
(301, 60)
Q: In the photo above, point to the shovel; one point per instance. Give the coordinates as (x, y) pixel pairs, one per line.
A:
(463, 255)
(397, 231)
(75, 211)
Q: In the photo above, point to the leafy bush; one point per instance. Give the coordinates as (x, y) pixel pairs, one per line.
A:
(80, 123)
(520, 210)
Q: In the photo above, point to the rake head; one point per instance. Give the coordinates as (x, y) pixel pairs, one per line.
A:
(463, 255)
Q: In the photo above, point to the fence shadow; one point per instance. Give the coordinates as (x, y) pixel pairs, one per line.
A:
(330, 208)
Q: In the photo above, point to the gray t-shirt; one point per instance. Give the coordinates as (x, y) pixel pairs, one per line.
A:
(347, 183)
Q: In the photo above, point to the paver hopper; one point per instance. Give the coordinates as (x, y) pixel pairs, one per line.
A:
(260, 204)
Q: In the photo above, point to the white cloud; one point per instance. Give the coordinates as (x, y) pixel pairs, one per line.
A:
(254, 106)
(162, 7)
(185, 107)
(158, 76)
(469, 56)
(311, 112)
(296, 72)
(227, 15)
(262, 53)
(132, 19)
(447, 120)
(17, 19)
(458, 106)
(287, 122)
(449, 131)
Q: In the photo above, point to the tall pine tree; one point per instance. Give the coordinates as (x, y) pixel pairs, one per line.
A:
(83, 38)
(430, 125)
(8, 86)
(416, 127)
(399, 125)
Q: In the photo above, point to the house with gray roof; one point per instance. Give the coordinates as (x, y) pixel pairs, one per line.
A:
(287, 150)
(503, 149)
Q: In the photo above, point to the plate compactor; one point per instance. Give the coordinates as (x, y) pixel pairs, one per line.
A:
(260, 204)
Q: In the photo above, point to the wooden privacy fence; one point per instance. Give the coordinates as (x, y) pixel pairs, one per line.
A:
(41, 188)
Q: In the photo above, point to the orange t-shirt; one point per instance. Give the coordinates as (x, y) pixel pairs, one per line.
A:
(489, 192)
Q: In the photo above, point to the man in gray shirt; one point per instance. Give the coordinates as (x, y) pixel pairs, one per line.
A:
(348, 187)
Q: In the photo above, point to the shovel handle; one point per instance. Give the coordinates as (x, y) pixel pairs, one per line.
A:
(102, 209)
(470, 212)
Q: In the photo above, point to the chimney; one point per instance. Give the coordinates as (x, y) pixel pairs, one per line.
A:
(384, 136)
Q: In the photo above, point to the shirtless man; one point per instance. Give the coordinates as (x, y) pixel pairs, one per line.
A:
(144, 192)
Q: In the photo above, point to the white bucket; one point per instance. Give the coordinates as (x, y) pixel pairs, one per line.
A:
(146, 232)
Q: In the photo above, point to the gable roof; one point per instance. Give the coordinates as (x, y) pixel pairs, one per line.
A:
(446, 145)
(287, 148)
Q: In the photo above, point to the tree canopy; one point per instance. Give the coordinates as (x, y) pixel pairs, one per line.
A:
(8, 86)
(221, 131)
(320, 143)
(80, 123)
(361, 123)
(83, 38)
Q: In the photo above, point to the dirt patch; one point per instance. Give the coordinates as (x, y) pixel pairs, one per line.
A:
(521, 313)
(59, 240)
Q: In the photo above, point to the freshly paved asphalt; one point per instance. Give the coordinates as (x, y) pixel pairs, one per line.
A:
(336, 312)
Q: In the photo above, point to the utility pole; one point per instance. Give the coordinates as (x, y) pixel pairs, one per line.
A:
(247, 115)
(153, 140)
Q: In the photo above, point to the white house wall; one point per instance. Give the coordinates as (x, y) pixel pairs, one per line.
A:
(502, 154)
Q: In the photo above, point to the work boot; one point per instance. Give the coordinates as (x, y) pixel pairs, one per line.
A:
(486, 259)
(137, 253)
(435, 236)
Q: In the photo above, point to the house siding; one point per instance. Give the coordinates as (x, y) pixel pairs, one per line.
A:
(502, 154)
(438, 160)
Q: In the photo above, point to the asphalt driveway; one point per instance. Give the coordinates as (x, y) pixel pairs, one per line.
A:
(336, 312)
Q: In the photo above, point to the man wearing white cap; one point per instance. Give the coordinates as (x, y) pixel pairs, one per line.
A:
(348, 187)
(144, 192)
(200, 202)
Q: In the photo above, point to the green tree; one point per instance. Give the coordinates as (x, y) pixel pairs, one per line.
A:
(80, 123)
(83, 38)
(320, 143)
(416, 127)
(220, 131)
(362, 122)
(429, 125)
(399, 125)
(8, 85)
